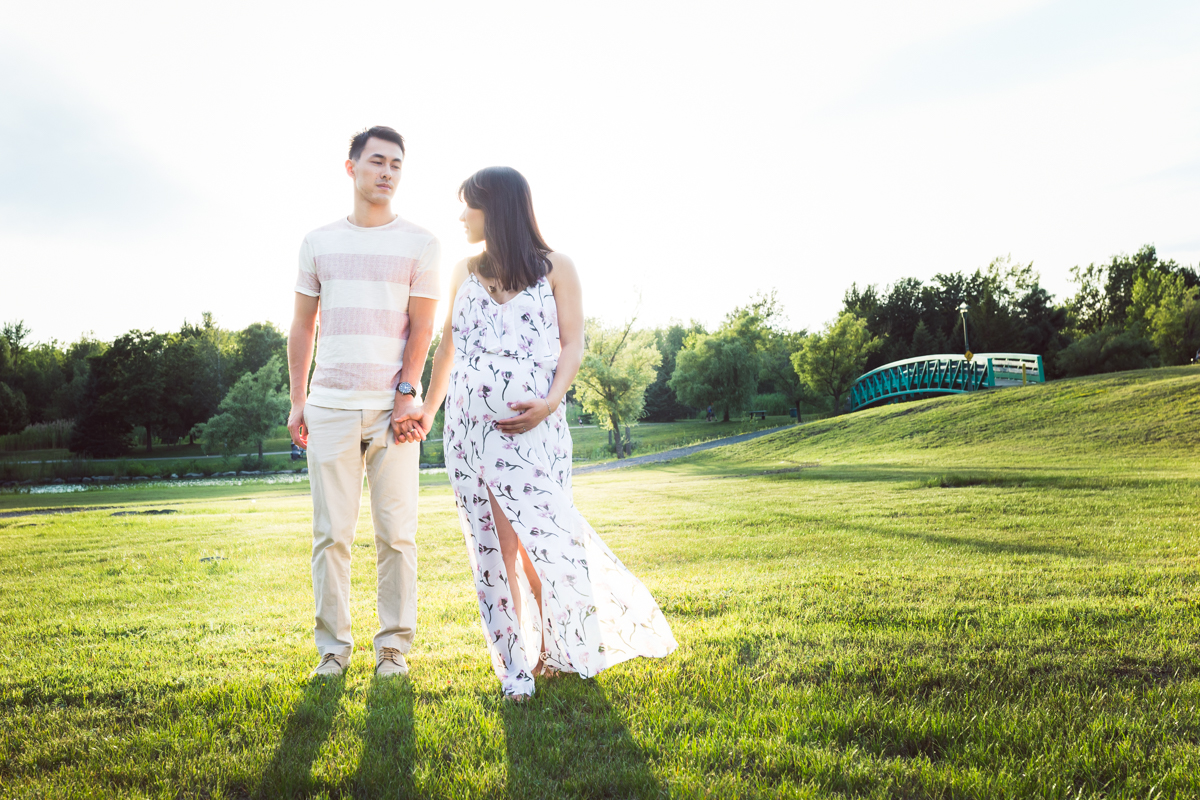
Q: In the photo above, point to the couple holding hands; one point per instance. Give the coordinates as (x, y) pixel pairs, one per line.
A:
(552, 596)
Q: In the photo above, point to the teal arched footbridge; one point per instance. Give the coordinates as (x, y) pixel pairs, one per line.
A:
(931, 376)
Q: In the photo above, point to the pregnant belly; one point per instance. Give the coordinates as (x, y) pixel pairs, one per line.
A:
(490, 389)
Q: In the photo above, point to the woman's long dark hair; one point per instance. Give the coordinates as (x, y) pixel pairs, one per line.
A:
(516, 254)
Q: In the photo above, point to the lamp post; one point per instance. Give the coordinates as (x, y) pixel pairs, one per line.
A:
(962, 310)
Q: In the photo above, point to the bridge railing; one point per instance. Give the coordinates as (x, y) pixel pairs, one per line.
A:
(945, 373)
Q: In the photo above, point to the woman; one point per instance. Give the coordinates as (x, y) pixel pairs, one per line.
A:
(552, 597)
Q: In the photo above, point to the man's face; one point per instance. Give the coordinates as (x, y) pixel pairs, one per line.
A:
(377, 171)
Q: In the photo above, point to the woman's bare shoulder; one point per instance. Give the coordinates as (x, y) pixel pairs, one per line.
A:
(560, 260)
(563, 267)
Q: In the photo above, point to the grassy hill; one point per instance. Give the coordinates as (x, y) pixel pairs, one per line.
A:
(1147, 414)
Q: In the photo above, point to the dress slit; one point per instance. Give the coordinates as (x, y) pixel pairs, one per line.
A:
(529, 625)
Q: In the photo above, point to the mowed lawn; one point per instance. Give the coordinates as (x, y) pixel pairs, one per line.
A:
(985, 596)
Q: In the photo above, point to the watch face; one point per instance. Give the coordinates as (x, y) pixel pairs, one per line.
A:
(406, 388)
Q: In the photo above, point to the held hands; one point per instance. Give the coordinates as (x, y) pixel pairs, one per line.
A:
(412, 424)
(533, 412)
(403, 426)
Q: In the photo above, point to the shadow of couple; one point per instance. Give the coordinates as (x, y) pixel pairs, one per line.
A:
(568, 740)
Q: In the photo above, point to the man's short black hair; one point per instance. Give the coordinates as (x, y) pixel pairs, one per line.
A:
(359, 141)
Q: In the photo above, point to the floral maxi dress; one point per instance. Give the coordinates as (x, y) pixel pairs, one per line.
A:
(595, 612)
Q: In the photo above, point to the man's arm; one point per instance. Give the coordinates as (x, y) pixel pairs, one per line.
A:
(300, 354)
(421, 311)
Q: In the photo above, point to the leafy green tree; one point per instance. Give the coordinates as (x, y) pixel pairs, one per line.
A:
(257, 344)
(756, 322)
(717, 369)
(832, 360)
(1105, 292)
(251, 410)
(15, 333)
(137, 356)
(14, 414)
(618, 365)
(661, 403)
(1042, 325)
(1167, 310)
(6, 358)
(924, 343)
(216, 351)
(41, 376)
(184, 397)
(125, 389)
(33, 370)
(776, 367)
(70, 397)
(103, 427)
(1088, 309)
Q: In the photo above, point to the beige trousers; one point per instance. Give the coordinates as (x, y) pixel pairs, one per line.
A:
(341, 443)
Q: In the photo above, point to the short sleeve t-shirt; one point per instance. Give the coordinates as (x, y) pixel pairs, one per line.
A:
(364, 277)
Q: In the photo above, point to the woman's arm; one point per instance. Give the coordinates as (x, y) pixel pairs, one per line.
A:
(568, 297)
(443, 360)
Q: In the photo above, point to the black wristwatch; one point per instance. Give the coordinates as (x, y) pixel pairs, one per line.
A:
(406, 388)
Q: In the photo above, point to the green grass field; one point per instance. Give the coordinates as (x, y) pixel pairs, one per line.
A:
(993, 595)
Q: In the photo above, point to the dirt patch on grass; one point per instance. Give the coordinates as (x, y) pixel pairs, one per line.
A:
(74, 510)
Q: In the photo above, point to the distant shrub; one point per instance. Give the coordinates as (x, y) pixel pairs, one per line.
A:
(1108, 350)
(252, 463)
(42, 436)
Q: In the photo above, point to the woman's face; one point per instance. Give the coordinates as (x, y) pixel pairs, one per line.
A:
(472, 220)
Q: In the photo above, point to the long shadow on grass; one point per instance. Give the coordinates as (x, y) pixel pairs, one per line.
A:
(307, 728)
(985, 546)
(386, 766)
(568, 741)
(987, 473)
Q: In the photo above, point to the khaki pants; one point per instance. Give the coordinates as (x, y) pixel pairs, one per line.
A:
(340, 444)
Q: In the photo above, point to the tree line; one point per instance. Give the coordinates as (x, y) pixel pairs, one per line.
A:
(1132, 312)
(164, 386)
(1128, 313)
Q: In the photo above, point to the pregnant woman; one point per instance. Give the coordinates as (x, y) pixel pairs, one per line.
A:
(552, 596)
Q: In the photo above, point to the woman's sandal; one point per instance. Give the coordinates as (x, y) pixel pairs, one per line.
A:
(544, 669)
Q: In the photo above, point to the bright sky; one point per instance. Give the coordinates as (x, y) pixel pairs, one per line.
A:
(159, 160)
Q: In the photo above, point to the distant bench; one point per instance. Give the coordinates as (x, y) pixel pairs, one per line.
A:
(758, 415)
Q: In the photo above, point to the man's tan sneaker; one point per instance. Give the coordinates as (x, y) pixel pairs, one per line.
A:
(390, 661)
(331, 665)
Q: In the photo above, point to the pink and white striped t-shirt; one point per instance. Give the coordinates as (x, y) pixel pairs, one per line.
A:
(364, 277)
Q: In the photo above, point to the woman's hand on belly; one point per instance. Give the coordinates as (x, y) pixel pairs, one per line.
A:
(531, 413)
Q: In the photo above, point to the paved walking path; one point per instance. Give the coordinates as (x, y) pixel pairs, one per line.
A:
(678, 452)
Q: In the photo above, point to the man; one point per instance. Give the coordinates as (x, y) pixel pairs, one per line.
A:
(374, 278)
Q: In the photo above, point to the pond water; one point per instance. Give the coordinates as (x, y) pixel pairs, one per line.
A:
(68, 488)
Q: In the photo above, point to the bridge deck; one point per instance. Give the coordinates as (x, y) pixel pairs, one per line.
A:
(947, 373)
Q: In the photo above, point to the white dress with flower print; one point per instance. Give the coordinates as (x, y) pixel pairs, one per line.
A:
(595, 612)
